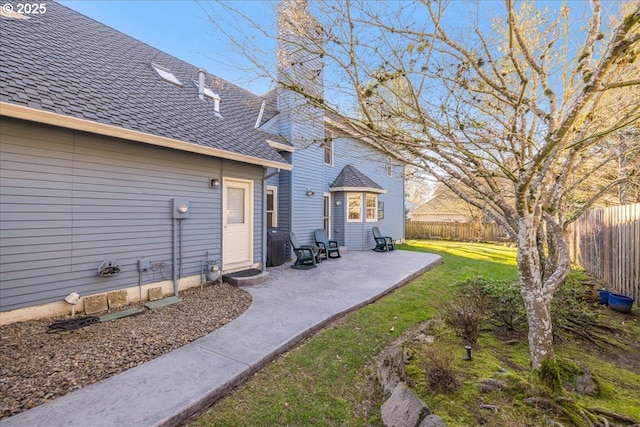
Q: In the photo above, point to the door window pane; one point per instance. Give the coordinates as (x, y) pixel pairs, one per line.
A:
(235, 205)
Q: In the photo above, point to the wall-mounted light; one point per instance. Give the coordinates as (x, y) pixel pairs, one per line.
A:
(215, 183)
(310, 192)
(338, 202)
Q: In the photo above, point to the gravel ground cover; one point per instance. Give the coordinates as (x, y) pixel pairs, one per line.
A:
(37, 366)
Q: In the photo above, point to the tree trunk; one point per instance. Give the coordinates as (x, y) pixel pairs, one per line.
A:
(537, 301)
(538, 309)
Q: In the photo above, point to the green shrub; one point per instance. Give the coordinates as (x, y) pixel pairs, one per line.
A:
(438, 369)
(499, 301)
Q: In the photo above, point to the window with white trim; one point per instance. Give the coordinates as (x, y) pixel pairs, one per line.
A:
(371, 203)
(328, 149)
(354, 207)
(272, 206)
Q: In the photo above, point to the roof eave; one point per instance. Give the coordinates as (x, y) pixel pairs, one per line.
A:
(280, 146)
(49, 118)
(358, 190)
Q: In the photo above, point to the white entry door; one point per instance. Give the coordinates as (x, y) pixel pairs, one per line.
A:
(237, 238)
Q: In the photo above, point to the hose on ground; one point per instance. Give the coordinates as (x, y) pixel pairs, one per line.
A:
(71, 324)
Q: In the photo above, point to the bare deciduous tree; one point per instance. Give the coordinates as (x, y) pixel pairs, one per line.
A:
(502, 102)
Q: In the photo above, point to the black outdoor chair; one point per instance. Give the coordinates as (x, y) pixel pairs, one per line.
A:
(306, 255)
(383, 243)
(325, 246)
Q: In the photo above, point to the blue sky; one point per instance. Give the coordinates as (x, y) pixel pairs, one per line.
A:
(182, 29)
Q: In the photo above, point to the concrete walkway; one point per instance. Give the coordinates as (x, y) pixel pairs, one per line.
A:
(291, 305)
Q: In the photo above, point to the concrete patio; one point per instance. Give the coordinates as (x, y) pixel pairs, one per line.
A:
(287, 308)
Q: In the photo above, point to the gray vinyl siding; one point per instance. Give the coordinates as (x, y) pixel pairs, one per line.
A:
(307, 210)
(358, 235)
(70, 200)
(338, 218)
(304, 125)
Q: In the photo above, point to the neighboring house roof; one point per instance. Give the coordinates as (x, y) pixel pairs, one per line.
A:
(65, 69)
(443, 205)
(351, 179)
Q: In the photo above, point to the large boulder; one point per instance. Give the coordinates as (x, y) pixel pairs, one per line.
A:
(403, 408)
(391, 367)
(432, 421)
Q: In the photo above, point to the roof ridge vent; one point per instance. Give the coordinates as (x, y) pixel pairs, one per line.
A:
(166, 74)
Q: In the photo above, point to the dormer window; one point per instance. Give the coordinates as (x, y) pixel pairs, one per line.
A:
(166, 74)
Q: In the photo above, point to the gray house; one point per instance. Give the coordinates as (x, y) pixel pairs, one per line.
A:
(124, 168)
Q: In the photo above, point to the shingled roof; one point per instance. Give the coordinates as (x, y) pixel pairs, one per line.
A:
(351, 179)
(444, 205)
(64, 68)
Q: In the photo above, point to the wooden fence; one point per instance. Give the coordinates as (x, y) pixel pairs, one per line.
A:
(606, 243)
(462, 231)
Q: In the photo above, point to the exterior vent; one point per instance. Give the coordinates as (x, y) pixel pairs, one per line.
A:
(166, 74)
(204, 91)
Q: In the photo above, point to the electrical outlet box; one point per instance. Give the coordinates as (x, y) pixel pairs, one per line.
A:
(144, 265)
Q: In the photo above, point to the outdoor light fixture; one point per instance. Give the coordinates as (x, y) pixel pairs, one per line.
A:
(468, 356)
(310, 192)
(215, 183)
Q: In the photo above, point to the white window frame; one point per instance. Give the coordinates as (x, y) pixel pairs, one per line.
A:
(328, 146)
(275, 205)
(389, 167)
(326, 213)
(353, 196)
(374, 208)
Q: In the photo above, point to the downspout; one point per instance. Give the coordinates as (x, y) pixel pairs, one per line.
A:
(264, 215)
(175, 257)
(264, 222)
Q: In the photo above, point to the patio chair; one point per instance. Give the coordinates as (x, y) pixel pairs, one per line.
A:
(383, 243)
(325, 246)
(306, 255)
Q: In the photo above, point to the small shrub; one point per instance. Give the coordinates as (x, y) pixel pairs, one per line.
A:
(478, 298)
(438, 369)
(464, 316)
(503, 305)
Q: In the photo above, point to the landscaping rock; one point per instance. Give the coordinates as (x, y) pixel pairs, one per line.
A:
(117, 299)
(403, 408)
(155, 294)
(95, 304)
(424, 339)
(391, 367)
(491, 384)
(432, 421)
(585, 384)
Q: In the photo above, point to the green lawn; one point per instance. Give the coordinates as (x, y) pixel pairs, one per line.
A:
(326, 381)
